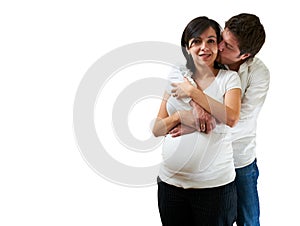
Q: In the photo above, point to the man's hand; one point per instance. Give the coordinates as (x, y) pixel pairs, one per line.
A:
(205, 122)
(180, 130)
(181, 90)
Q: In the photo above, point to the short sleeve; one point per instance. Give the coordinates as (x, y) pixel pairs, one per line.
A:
(233, 80)
(174, 76)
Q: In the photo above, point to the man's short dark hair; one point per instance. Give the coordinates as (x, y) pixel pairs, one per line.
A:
(249, 32)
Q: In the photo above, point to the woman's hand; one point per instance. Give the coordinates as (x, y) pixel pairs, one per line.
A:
(180, 130)
(182, 89)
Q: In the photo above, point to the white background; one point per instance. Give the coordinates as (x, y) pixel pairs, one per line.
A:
(46, 47)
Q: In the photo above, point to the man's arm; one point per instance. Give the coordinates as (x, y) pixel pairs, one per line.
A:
(227, 112)
(203, 122)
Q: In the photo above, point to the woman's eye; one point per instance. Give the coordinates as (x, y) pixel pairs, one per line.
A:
(211, 41)
(195, 42)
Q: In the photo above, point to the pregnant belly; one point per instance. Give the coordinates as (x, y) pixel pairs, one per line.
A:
(190, 153)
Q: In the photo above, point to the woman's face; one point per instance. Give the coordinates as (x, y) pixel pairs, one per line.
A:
(204, 49)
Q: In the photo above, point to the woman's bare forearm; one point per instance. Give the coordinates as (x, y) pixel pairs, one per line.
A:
(222, 112)
(162, 126)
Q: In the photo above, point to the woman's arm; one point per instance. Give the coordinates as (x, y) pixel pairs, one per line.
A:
(227, 113)
(165, 122)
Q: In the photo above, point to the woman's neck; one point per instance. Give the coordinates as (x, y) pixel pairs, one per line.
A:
(204, 76)
(205, 71)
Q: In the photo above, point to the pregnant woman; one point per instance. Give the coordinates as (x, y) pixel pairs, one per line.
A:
(196, 178)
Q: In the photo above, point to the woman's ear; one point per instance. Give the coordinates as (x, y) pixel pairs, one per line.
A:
(187, 50)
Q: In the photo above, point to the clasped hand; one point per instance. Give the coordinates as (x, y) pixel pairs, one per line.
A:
(203, 122)
(182, 89)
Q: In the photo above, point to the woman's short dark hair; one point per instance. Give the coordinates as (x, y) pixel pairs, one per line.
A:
(193, 30)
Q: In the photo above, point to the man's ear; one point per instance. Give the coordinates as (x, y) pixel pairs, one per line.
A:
(245, 56)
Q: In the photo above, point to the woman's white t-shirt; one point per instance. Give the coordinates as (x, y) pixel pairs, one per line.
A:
(199, 160)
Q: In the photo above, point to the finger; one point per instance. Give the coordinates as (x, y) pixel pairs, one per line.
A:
(174, 84)
(173, 90)
(197, 124)
(176, 134)
(200, 122)
(197, 121)
(213, 123)
(202, 126)
(177, 131)
(208, 128)
(173, 130)
(192, 103)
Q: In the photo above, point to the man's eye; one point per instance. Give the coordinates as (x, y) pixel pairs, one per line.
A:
(228, 46)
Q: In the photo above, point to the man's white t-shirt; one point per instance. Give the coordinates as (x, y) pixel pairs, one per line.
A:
(255, 79)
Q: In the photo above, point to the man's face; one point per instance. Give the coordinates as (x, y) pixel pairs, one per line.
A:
(229, 52)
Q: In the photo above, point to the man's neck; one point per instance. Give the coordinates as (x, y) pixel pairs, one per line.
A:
(236, 66)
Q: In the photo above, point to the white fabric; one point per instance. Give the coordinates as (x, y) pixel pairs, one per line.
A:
(199, 160)
(255, 79)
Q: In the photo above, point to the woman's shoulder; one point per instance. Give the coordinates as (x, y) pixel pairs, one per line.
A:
(227, 74)
(229, 79)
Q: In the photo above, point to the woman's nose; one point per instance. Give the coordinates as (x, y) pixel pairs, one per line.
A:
(203, 46)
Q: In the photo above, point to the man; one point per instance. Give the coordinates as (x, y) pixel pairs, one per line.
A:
(243, 37)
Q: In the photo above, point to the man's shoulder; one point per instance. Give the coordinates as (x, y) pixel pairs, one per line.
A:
(256, 66)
